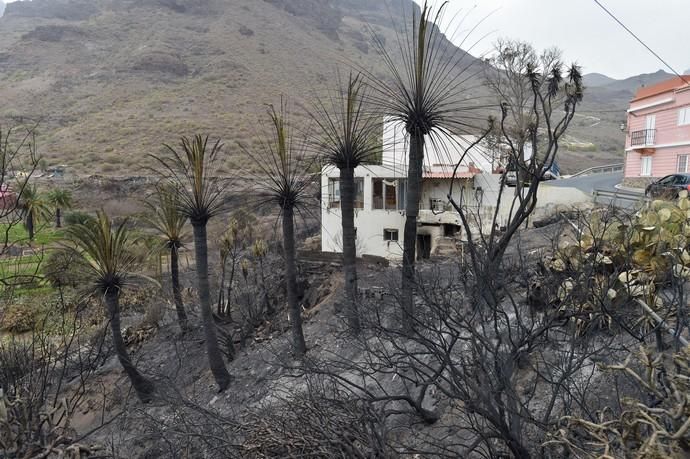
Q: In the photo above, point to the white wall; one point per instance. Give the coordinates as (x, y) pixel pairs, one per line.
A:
(440, 153)
(370, 223)
(548, 199)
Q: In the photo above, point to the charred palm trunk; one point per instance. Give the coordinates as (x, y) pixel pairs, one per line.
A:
(294, 311)
(143, 387)
(30, 225)
(221, 289)
(215, 357)
(230, 284)
(177, 293)
(414, 184)
(347, 196)
(58, 218)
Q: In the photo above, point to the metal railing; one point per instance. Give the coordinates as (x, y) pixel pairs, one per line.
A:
(642, 137)
(607, 169)
(617, 198)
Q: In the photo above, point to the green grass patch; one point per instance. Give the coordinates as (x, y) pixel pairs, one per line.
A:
(44, 234)
(22, 274)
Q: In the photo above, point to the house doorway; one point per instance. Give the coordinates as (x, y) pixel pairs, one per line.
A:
(450, 230)
(423, 246)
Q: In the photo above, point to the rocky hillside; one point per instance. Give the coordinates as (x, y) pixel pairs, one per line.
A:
(596, 129)
(593, 80)
(112, 80)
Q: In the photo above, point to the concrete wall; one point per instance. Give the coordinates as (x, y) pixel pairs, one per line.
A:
(440, 155)
(478, 193)
(370, 223)
(549, 199)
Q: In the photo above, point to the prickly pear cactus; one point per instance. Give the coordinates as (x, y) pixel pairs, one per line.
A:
(621, 258)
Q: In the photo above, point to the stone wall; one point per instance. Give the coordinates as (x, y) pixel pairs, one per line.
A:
(638, 182)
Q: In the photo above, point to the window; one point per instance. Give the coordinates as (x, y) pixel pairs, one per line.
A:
(646, 169)
(377, 193)
(390, 234)
(682, 164)
(437, 205)
(679, 180)
(402, 193)
(334, 193)
(391, 195)
(684, 116)
(359, 193)
(388, 194)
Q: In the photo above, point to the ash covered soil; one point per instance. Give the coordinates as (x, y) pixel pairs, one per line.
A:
(113, 423)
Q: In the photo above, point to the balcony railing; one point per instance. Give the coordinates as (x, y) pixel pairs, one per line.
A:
(642, 138)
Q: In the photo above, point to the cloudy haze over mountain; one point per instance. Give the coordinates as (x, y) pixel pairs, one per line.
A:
(585, 32)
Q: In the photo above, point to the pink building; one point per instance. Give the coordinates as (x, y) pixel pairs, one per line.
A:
(8, 198)
(658, 133)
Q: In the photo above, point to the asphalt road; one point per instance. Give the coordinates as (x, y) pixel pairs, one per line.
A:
(589, 183)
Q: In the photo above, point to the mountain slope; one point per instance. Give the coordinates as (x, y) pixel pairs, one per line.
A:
(601, 114)
(631, 84)
(593, 80)
(114, 79)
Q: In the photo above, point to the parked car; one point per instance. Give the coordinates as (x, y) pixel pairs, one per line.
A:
(668, 187)
(549, 174)
(511, 178)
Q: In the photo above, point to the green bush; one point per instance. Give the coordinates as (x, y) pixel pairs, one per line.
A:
(59, 270)
(76, 218)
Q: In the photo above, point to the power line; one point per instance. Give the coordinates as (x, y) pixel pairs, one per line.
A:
(642, 42)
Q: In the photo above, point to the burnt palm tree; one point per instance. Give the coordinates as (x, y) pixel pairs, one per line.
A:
(347, 141)
(201, 196)
(107, 257)
(60, 199)
(283, 180)
(426, 95)
(34, 208)
(165, 216)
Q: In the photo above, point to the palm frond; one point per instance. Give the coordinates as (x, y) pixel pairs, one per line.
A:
(283, 164)
(60, 197)
(191, 169)
(348, 132)
(164, 215)
(35, 203)
(105, 252)
(430, 80)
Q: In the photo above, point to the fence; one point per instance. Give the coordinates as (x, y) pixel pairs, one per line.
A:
(618, 198)
(607, 169)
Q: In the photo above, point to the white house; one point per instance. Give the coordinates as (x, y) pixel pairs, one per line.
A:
(380, 198)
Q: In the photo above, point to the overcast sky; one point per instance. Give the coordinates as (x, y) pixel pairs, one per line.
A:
(586, 34)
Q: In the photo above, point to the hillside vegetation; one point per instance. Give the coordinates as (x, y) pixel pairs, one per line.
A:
(112, 80)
